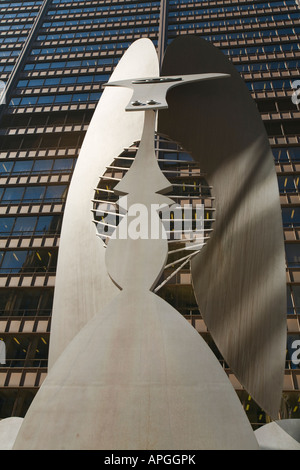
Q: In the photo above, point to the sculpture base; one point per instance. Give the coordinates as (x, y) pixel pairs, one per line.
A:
(138, 377)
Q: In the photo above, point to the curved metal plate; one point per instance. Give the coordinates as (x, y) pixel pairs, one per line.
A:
(81, 278)
(144, 380)
(273, 436)
(9, 428)
(239, 277)
(291, 426)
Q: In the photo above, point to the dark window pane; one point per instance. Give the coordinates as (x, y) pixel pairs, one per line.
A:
(80, 97)
(48, 224)
(63, 98)
(51, 81)
(5, 167)
(42, 165)
(56, 192)
(45, 99)
(292, 255)
(291, 216)
(6, 224)
(13, 261)
(63, 164)
(13, 194)
(24, 224)
(34, 193)
(23, 166)
(68, 80)
(296, 296)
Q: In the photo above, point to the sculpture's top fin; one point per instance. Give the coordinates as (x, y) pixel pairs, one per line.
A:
(150, 93)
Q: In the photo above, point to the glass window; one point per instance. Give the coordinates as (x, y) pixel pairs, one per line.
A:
(80, 97)
(30, 100)
(6, 224)
(294, 153)
(296, 297)
(73, 63)
(35, 82)
(101, 78)
(5, 167)
(42, 165)
(24, 224)
(13, 260)
(13, 194)
(23, 166)
(57, 65)
(63, 164)
(292, 255)
(291, 216)
(63, 98)
(56, 192)
(95, 96)
(85, 79)
(42, 66)
(67, 36)
(41, 260)
(34, 193)
(60, 50)
(47, 224)
(266, 105)
(15, 101)
(280, 155)
(51, 81)
(68, 80)
(76, 49)
(46, 99)
(286, 184)
(29, 301)
(22, 83)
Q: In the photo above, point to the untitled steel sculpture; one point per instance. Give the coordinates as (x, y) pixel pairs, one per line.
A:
(133, 373)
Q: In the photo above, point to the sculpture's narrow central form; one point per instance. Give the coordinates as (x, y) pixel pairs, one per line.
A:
(138, 250)
(136, 256)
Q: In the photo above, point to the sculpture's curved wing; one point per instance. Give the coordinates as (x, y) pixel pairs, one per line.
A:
(81, 277)
(239, 277)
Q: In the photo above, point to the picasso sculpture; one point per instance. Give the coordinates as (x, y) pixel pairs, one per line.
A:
(126, 370)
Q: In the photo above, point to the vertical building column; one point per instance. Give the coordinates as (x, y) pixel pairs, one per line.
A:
(29, 361)
(15, 74)
(18, 403)
(163, 30)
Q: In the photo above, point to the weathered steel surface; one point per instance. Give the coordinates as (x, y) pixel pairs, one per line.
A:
(137, 375)
(239, 276)
(279, 435)
(9, 428)
(82, 284)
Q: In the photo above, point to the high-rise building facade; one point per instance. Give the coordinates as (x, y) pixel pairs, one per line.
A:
(54, 58)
